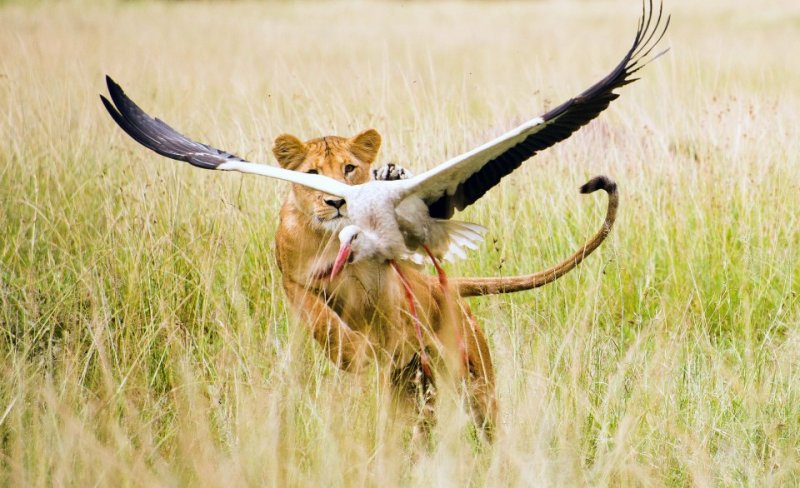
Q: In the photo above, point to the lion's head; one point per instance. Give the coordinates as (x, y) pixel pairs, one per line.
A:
(343, 159)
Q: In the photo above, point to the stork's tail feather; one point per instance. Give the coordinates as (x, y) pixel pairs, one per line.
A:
(462, 236)
(470, 287)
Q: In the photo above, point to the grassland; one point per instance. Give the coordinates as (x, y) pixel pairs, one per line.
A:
(144, 335)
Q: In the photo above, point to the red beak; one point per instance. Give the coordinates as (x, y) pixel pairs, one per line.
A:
(341, 259)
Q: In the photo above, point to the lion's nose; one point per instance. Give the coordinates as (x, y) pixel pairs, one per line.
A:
(337, 204)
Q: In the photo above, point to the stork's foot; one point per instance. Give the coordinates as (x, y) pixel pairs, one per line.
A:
(425, 364)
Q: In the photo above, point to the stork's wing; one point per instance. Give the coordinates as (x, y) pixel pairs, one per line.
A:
(461, 181)
(157, 136)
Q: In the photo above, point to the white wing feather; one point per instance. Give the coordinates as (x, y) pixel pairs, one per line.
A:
(315, 182)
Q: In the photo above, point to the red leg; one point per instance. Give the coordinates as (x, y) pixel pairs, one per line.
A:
(462, 346)
(412, 308)
(439, 269)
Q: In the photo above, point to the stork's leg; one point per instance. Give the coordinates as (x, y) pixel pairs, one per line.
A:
(439, 269)
(425, 361)
(462, 346)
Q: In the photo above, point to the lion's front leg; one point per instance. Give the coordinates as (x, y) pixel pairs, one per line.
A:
(347, 348)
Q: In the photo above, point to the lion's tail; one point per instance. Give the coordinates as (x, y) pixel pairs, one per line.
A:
(470, 287)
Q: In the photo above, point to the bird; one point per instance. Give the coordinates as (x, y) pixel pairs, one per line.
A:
(412, 213)
(416, 210)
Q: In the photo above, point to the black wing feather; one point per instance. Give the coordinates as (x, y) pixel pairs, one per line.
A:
(157, 136)
(561, 121)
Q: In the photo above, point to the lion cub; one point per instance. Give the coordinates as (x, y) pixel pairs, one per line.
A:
(360, 316)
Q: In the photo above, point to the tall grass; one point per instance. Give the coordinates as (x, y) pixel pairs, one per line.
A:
(145, 336)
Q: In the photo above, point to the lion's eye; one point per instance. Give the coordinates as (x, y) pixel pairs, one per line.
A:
(312, 172)
(349, 168)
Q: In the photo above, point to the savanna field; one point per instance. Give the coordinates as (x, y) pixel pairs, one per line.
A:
(144, 333)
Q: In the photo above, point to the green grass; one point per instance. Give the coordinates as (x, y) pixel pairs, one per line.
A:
(144, 333)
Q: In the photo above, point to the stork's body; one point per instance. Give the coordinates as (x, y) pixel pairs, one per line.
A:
(391, 225)
(374, 206)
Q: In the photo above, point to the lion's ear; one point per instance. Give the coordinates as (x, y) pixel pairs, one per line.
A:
(289, 151)
(365, 145)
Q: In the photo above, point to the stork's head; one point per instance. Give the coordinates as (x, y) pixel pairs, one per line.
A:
(355, 245)
(344, 159)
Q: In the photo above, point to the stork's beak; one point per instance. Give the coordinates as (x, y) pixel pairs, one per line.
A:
(341, 259)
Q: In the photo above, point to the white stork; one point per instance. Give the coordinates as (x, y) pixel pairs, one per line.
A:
(414, 213)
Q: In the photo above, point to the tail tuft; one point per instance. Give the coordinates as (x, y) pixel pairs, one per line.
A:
(599, 183)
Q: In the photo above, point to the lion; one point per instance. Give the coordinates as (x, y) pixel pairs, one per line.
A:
(360, 316)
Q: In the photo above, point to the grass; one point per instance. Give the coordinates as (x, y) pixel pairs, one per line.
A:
(144, 333)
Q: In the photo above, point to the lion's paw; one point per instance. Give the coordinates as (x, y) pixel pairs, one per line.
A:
(391, 172)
